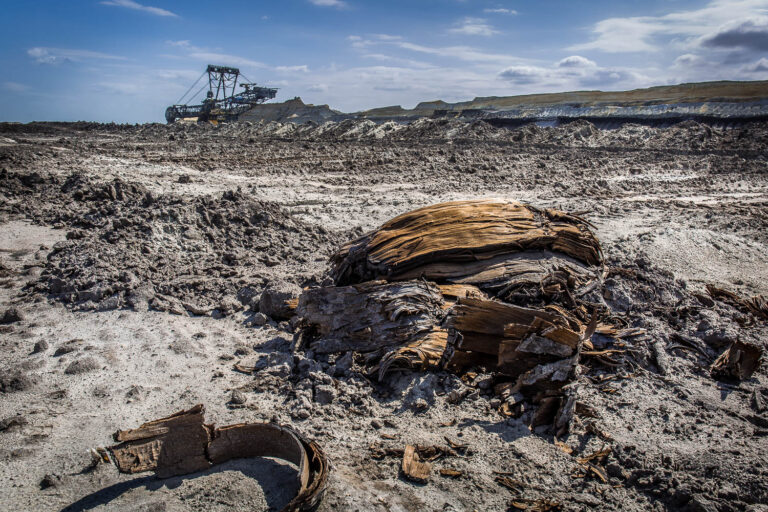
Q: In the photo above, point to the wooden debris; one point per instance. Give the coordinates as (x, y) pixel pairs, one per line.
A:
(494, 286)
(423, 353)
(738, 362)
(756, 305)
(450, 473)
(183, 443)
(537, 505)
(512, 485)
(564, 447)
(413, 468)
(371, 316)
(592, 465)
(461, 231)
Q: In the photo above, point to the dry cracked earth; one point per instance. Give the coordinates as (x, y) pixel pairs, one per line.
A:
(135, 261)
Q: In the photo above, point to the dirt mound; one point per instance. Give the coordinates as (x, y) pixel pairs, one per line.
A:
(128, 248)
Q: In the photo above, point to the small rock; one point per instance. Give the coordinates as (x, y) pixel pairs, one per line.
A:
(15, 381)
(420, 404)
(259, 319)
(758, 403)
(274, 300)
(615, 470)
(86, 364)
(484, 381)
(324, 394)
(242, 350)
(301, 414)
(65, 349)
(229, 306)
(376, 424)
(136, 393)
(50, 480)
(11, 315)
(237, 397)
(248, 297)
(701, 504)
(344, 363)
(40, 346)
(12, 423)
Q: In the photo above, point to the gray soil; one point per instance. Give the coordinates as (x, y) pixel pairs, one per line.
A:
(136, 257)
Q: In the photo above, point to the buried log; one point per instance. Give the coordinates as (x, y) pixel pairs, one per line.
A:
(182, 443)
(496, 285)
(432, 238)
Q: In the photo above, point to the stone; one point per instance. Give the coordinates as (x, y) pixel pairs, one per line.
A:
(259, 319)
(12, 315)
(324, 394)
(701, 504)
(50, 480)
(274, 300)
(84, 365)
(40, 346)
(15, 381)
(237, 397)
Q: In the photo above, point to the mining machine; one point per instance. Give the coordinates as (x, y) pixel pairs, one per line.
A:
(221, 103)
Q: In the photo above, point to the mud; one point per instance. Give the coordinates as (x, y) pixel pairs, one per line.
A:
(137, 257)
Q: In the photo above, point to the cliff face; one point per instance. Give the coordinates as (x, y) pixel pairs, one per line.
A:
(694, 93)
(747, 100)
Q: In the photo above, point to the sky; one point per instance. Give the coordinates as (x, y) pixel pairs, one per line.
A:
(125, 61)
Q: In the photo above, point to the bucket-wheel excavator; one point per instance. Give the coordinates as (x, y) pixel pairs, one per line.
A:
(221, 103)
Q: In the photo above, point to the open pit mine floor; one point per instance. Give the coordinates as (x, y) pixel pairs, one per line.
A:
(137, 265)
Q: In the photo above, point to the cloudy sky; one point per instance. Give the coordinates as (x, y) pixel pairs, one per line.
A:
(126, 60)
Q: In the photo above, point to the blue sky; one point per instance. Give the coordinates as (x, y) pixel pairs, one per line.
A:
(126, 60)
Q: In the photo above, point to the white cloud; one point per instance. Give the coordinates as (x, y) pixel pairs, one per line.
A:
(130, 4)
(474, 27)
(681, 28)
(225, 59)
(689, 60)
(15, 87)
(464, 53)
(329, 3)
(214, 57)
(293, 69)
(576, 61)
(761, 66)
(388, 37)
(500, 10)
(572, 73)
(43, 55)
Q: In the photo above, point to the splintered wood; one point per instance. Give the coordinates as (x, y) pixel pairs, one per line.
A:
(413, 468)
(461, 232)
(492, 284)
(183, 443)
(738, 362)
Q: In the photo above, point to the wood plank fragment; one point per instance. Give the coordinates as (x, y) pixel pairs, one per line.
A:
(738, 362)
(413, 468)
(182, 443)
(462, 231)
